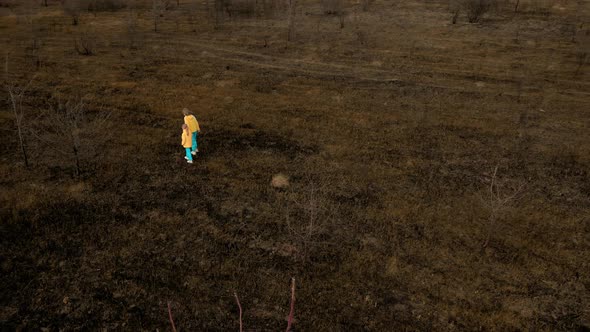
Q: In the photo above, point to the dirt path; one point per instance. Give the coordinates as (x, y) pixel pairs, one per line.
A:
(445, 79)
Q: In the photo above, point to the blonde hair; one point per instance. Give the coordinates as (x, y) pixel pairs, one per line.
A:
(185, 128)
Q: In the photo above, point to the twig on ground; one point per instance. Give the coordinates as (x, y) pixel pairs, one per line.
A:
(170, 316)
(292, 312)
(239, 307)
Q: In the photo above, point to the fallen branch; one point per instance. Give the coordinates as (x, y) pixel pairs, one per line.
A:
(292, 312)
(239, 307)
(170, 316)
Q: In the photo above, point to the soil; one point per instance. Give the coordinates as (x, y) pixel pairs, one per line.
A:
(438, 173)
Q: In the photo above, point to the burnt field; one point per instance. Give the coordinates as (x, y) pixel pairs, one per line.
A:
(438, 172)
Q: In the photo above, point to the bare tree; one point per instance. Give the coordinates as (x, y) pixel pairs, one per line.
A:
(499, 197)
(73, 132)
(308, 218)
(16, 95)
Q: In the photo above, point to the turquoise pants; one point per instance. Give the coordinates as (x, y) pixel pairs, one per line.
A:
(194, 141)
(189, 156)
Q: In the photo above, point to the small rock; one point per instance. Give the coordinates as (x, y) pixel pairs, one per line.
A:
(280, 181)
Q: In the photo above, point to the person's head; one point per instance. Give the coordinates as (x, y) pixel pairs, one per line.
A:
(185, 111)
(185, 128)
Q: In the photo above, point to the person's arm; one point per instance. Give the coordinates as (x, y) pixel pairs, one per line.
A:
(198, 128)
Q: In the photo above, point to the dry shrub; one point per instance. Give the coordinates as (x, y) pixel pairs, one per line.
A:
(292, 19)
(106, 5)
(85, 42)
(191, 11)
(74, 132)
(272, 7)
(17, 94)
(310, 219)
(8, 3)
(475, 9)
(332, 7)
(532, 6)
(25, 11)
(246, 8)
(236, 8)
(157, 12)
(497, 198)
(134, 35)
(74, 8)
(541, 6)
(365, 4)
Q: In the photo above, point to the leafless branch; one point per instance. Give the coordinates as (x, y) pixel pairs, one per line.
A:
(170, 317)
(292, 310)
(240, 308)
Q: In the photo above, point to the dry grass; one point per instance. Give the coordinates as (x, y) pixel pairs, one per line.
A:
(388, 130)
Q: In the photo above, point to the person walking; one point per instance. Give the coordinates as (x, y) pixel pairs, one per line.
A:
(187, 143)
(193, 125)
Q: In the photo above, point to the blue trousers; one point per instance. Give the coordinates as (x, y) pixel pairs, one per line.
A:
(189, 156)
(195, 146)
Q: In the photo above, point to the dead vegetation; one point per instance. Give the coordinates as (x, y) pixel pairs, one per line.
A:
(473, 9)
(72, 131)
(400, 144)
(85, 42)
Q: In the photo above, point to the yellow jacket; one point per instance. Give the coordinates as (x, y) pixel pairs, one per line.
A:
(192, 123)
(187, 140)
